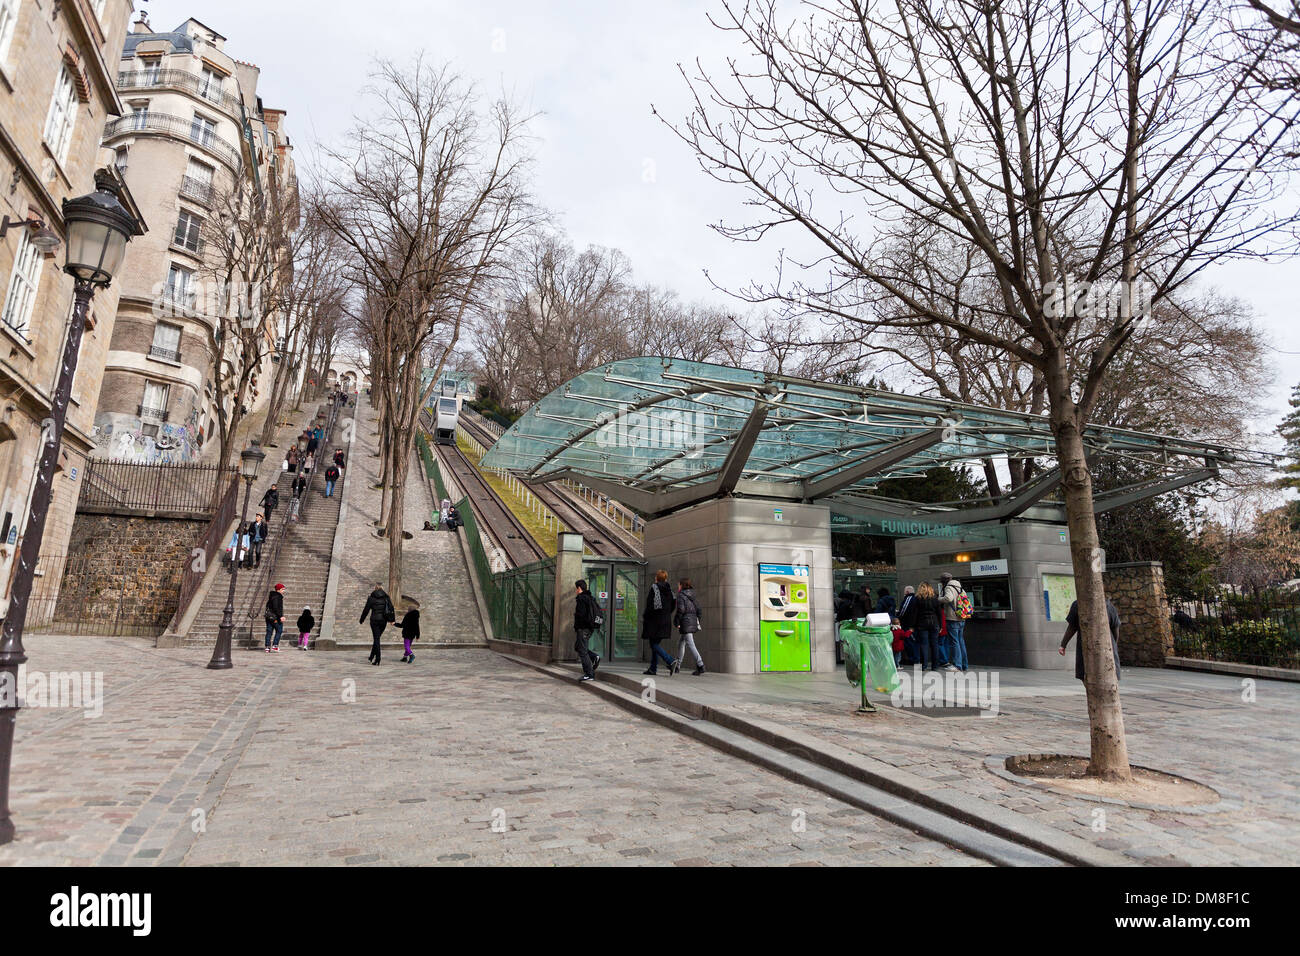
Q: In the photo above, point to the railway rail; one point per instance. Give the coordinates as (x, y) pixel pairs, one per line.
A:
(494, 517)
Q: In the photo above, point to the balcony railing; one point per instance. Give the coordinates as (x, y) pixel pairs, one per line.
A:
(144, 411)
(157, 351)
(178, 126)
(196, 190)
(180, 80)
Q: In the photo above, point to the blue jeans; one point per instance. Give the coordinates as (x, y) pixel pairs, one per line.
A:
(658, 653)
(927, 639)
(329, 489)
(277, 629)
(957, 644)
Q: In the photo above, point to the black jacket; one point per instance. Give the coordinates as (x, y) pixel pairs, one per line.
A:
(687, 616)
(331, 473)
(585, 610)
(658, 624)
(305, 622)
(299, 485)
(410, 624)
(258, 530)
(275, 605)
(379, 607)
(270, 499)
(921, 613)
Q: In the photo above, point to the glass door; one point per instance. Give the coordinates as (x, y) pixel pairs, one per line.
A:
(627, 613)
(597, 576)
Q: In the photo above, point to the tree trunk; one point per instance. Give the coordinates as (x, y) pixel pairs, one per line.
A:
(1105, 717)
(396, 516)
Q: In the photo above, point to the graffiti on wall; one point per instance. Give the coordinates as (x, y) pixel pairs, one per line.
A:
(172, 444)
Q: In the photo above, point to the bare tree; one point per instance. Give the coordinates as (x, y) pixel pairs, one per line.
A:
(1098, 145)
(427, 197)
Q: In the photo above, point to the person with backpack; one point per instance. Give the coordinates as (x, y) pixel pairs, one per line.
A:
(410, 626)
(956, 609)
(274, 618)
(379, 608)
(587, 617)
(331, 476)
(687, 619)
(657, 623)
(305, 624)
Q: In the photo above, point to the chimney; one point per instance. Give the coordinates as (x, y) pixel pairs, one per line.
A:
(142, 25)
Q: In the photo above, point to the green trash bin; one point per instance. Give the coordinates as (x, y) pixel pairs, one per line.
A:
(869, 656)
(880, 658)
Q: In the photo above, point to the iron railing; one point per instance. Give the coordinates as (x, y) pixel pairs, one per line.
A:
(157, 351)
(520, 601)
(182, 488)
(196, 189)
(178, 126)
(214, 537)
(178, 80)
(1261, 628)
(146, 411)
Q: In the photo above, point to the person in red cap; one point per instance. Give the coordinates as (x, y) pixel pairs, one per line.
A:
(274, 618)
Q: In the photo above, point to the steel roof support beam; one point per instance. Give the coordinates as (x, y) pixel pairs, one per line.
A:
(738, 456)
(890, 455)
(1112, 501)
(1020, 501)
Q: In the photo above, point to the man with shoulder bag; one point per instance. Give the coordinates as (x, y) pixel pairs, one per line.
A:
(587, 618)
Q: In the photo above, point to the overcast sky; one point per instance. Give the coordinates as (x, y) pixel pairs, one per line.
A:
(610, 169)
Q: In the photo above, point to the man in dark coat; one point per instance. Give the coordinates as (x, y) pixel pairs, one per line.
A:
(331, 476)
(1072, 628)
(257, 533)
(379, 608)
(270, 499)
(585, 612)
(274, 618)
(657, 622)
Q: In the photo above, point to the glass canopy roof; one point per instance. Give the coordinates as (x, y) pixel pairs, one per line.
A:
(660, 434)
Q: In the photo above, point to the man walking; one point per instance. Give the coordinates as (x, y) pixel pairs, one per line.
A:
(270, 500)
(331, 476)
(379, 608)
(586, 618)
(257, 532)
(274, 618)
(950, 595)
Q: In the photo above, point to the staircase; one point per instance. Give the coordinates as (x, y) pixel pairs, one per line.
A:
(302, 566)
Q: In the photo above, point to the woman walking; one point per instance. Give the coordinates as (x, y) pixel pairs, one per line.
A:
(687, 618)
(657, 622)
(274, 618)
(410, 626)
(379, 608)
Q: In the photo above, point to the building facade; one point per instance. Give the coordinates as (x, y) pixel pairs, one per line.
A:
(193, 138)
(57, 91)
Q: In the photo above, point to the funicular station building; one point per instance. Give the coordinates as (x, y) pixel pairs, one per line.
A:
(743, 475)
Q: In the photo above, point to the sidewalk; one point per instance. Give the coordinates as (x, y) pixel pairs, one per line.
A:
(1190, 724)
(434, 570)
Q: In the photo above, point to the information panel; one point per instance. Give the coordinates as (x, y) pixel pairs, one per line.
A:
(785, 635)
(1058, 595)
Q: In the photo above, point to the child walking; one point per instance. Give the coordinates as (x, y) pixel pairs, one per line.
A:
(305, 624)
(410, 625)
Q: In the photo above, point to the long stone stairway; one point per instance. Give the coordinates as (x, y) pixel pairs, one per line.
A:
(302, 565)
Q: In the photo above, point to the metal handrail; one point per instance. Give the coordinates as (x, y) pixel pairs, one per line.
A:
(178, 79)
(211, 542)
(150, 122)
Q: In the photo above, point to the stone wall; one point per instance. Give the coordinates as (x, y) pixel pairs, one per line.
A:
(1138, 592)
(125, 569)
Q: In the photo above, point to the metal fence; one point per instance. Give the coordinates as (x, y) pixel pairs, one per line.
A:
(211, 543)
(521, 601)
(1261, 629)
(92, 594)
(179, 489)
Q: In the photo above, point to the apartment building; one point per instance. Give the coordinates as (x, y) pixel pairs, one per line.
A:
(57, 90)
(193, 134)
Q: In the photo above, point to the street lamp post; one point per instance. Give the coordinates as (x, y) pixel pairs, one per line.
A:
(250, 459)
(98, 227)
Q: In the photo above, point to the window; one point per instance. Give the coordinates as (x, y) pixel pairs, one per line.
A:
(139, 115)
(8, 20)
(180, 286)
(197, 184)
(188, 227)
(62, 116)
(166, 342)
(23, 284)
(151, 67)
(210, 85)
(120, 158)
(203, 130)
(155, 401)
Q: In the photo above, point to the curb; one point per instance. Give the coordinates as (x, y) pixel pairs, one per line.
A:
(811, 768)
(325, 638)
(1229, 668)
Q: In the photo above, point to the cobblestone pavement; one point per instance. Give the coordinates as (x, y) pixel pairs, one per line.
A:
(461, 757)
(1198, 725)
(434, 569)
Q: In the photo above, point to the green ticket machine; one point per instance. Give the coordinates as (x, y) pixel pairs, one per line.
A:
(785, 635)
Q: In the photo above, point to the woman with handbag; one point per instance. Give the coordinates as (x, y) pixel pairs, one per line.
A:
(687, 619)
(657, 623)
(379, 608)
